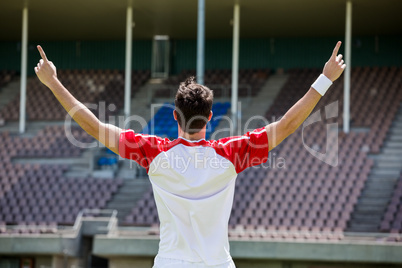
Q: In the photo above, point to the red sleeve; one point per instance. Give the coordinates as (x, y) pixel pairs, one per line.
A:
(245, 151)
(140, 147)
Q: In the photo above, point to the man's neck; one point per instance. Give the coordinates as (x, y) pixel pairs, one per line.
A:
(193, 137)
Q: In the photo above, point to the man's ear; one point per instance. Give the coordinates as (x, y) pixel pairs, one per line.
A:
(210, 116)
(174, 115)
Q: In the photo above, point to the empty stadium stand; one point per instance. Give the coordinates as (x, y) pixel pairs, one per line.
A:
(88, 86)
(300, 193)
(34, 195)
(294, 195)
(39, 197)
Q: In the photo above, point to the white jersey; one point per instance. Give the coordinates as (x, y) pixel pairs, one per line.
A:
(193, 184)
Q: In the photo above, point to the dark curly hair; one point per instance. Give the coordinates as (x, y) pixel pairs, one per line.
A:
(193, 105)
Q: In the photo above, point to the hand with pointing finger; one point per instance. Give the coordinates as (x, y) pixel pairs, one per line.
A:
(45, 69)
(335, 65)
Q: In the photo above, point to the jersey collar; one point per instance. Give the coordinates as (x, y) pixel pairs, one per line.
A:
(192, 141)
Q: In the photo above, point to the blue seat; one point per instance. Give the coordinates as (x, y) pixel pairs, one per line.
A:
(166, 126)
(102, 161)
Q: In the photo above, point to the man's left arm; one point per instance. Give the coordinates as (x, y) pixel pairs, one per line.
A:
(105, 133)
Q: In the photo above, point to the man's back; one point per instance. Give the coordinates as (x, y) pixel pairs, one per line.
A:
(193, 184)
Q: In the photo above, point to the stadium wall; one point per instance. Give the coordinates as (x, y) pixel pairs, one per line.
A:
(308, 52)
(40, 261)
(125, 251)
(247, 263)
(78, 54)
(287, 53)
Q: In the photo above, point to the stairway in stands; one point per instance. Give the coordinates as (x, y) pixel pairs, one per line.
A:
(9, 92)
(127, 196)
(256, 107)
(263, 101)
(381, 182)
(140, 109)
(135, 179)
(140, 105)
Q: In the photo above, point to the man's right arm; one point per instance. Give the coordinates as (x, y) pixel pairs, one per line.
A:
(295, 116)
(105, 133)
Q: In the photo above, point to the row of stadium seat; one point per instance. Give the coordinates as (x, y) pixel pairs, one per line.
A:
(29, 228)
(250, 82)
(88, 86)
(52, 141)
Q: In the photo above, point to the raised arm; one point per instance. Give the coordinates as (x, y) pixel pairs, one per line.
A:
(104, 133)
(295, 116)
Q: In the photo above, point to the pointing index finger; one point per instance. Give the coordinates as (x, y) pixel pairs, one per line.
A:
(42, 53)
(336, 49)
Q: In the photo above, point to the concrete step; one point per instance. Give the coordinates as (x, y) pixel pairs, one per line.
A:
(377, 194)
(386, 173)
(390, 158)
(126, 174)
(379, 181)
(379, 178)
(374, 203)
(392, 151)
(366, 218)
(122, 205)
(130, 190)
(395, 138)
(368, 210)
(375, 190)
(393, 144)
(124, 210)
(125, 197)
(118, 199)
(363, 227)
(77, 173)
(397, 124)
(392, 164)
(381, 184)
(395, 131)
(135, 184)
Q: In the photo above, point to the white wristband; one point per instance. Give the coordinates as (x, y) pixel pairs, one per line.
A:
(322, 84)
